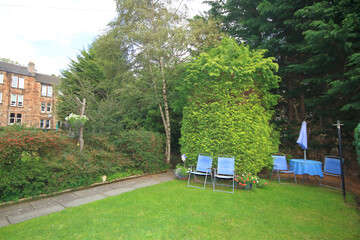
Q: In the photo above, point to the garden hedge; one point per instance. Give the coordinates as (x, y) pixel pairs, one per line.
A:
(33, 162)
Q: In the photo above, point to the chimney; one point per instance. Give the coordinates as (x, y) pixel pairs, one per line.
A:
(31, 67)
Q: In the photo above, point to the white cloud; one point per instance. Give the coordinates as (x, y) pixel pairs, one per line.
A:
(50, 32)
(26, 23)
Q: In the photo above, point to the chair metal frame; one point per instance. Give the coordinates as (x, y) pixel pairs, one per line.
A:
(201, 171)
(288, 171)
(329, 173)
(223, 173)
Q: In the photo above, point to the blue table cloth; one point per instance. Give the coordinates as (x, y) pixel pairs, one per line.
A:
(310, 167)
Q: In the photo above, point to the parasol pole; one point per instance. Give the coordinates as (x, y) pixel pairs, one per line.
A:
(338, 125)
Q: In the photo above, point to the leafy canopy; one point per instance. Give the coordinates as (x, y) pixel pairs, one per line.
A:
(229, 106)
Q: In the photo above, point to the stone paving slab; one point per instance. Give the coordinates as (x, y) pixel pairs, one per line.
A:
(4, 222)
(15, 209)
(84, 200)
(31, 209)
(120, 184)
(86, 192)
(45, 202)
(118, 191)
(148, 183)
(66, 197)
(35, 213)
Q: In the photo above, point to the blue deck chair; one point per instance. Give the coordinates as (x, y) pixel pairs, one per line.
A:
(332, 168)
(280, 166)
(225, 170)
(203, 168)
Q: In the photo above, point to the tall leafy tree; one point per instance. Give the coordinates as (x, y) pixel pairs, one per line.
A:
(270, 25)
(86, 78)
(316, 44)
(332, 42)
(229, 107)
(155, 35)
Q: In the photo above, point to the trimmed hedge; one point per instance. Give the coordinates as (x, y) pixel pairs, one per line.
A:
(34, 162)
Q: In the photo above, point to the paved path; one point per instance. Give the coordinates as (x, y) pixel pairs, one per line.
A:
(32, 209)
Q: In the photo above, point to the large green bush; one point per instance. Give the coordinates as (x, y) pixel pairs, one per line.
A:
(33, 162)
(357, 141)
(144, 148)
(229, 106)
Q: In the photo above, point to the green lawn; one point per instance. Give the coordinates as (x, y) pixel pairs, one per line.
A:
(173, 211)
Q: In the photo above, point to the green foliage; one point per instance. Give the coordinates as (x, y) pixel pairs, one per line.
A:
(357, 141)
(76, 121)
(14, 143)
(145, 149)
(34, 162)
(181, 171)
(124, 174)
(88, 77)
(8, 60)
(247, 178)
(229, 107)
(316, 44)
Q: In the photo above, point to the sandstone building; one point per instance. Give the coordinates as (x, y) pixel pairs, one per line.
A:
(27, 97)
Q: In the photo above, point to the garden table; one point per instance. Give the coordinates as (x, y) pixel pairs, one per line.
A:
(307, 167)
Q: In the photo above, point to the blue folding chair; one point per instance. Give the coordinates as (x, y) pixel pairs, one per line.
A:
(280, 166)
(332, 168)
(203, 168)
(225, 170)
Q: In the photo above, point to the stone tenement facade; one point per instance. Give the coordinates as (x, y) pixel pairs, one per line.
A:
(27, 97)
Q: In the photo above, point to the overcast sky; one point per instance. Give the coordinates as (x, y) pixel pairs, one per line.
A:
(51, 32)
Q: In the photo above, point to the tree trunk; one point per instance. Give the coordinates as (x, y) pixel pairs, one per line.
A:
(302, 107)
(81, 134)
(290, 101)
(167, 115)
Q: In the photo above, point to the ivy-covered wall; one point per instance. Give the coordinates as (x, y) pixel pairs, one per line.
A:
(230, 106)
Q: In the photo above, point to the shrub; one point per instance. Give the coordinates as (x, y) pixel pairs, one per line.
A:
(144, 148)
(357, 141)
(34, 162)
(182, 172)
(229, 106)
(14, 143)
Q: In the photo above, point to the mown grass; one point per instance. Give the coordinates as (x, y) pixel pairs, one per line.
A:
(173, 211)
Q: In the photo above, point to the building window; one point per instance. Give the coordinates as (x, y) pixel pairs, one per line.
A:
(13, 100)
(43, 107)
(20, 100)
(15, 118)
(17, 82)
(1, 78)
(47, 124)
(0, 97)
(46, 91)
(48, 108)
(17, 100)
(44, 123)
